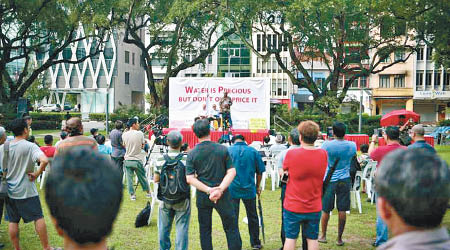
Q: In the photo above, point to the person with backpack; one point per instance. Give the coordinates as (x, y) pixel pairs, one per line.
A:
(173, 192)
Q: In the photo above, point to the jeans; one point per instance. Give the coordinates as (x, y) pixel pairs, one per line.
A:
(181, 212)
(118, 161)
(283, 233)
(382, 230)
(224, 208)
(135, 166)
(252, 216)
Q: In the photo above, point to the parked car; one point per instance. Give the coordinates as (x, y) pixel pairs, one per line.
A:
(50, 108)
(67, 107)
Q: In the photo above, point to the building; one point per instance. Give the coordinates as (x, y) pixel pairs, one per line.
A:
(115, 73)
(393, 87)
(431, 87)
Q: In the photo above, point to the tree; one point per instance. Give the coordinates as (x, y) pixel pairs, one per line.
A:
(350, 37)
(34, 34)
(430, 21)
(38, 90)
(182, 35)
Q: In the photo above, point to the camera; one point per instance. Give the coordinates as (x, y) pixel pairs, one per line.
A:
(378, 131)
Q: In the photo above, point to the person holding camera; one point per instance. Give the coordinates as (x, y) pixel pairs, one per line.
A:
(391, 136)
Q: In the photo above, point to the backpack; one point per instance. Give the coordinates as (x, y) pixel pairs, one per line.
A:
(173, 187)
(143, 216)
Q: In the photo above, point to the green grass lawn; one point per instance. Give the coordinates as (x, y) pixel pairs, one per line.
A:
(359, 232)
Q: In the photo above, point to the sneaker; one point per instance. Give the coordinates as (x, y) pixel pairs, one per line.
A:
(256, 247)
(149, 195)
(133, 197)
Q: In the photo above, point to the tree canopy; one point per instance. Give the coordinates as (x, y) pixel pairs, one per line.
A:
(182, 35)
(34, 33)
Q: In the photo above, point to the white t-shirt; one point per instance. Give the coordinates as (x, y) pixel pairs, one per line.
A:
(23, 156)
(133, 141)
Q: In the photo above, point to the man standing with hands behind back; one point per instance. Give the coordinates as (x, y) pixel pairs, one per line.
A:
(209, 168)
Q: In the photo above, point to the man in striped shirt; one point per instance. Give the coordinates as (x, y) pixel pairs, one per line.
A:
(76, 138)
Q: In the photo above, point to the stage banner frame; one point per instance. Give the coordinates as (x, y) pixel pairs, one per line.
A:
(251, 100)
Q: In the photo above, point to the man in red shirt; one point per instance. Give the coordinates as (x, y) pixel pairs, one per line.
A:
(391, 136)
(302, 204)
(48, 149)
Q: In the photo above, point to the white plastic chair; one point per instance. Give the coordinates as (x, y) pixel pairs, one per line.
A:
(355, 195)
(44, 174)
(370, 167)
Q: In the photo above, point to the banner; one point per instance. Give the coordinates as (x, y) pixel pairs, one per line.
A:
(250, 96)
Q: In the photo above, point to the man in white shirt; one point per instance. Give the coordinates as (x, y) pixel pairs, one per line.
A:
(134, 141)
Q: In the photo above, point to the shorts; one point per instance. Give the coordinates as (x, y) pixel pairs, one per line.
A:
(28, 209)
(309, 222)
(340, 189)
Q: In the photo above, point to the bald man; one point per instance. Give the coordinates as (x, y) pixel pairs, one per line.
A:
(76, 138)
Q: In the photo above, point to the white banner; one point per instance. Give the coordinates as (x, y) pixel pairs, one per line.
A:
(250, 96)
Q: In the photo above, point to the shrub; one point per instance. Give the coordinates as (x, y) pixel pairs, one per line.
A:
(444, 123)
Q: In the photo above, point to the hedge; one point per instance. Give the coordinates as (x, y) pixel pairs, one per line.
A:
(444, 123)
(114, 117)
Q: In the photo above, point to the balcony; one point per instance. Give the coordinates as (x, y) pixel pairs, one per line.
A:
(393, 92)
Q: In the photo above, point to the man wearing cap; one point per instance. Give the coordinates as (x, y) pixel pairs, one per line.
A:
(247, 163)
(417, 133)
(279, 145)
(134, 141)
(180, 211)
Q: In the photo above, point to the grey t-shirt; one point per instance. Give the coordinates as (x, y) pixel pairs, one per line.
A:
(22, 158)
(117, 144)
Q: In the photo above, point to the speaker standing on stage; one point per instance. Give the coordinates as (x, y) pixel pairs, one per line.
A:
(225, 105)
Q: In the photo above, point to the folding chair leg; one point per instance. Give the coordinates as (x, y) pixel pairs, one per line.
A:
(358, 201)
(263, 181)
(43, 179)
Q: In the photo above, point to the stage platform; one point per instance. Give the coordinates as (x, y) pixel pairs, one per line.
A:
(249, 135)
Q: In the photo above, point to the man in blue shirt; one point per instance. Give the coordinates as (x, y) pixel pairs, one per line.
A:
(340, 183)
(418, 135)
(247, 162)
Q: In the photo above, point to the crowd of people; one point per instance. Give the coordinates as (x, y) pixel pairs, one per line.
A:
(84, 187)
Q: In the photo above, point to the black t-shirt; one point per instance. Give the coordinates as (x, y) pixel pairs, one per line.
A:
(210, 161)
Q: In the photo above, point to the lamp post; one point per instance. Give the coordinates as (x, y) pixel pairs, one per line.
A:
(229, 59)
(108, 85)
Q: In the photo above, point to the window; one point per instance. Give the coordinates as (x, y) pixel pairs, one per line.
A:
(341, 82)
(363, 81)
(127, 56)
(258, 42)
(285, 87)
(429, 53)
(400, 28)
(274, 65)
(420, 54)
(285, 47)
(428, 77)
(385, 58)
(264, 66)
(258, 65)
(210, 59)
(274, 41)
(269, 66)
(284, 63)
(263, 42)
(274, 87)
(437, 78)
(127, 77)
(419, 80)
(347, 80)
(384, 81)
(446, 80)
(399, 55)
(399, 81)
(280, 41)
(132, 58)
(354, 83)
